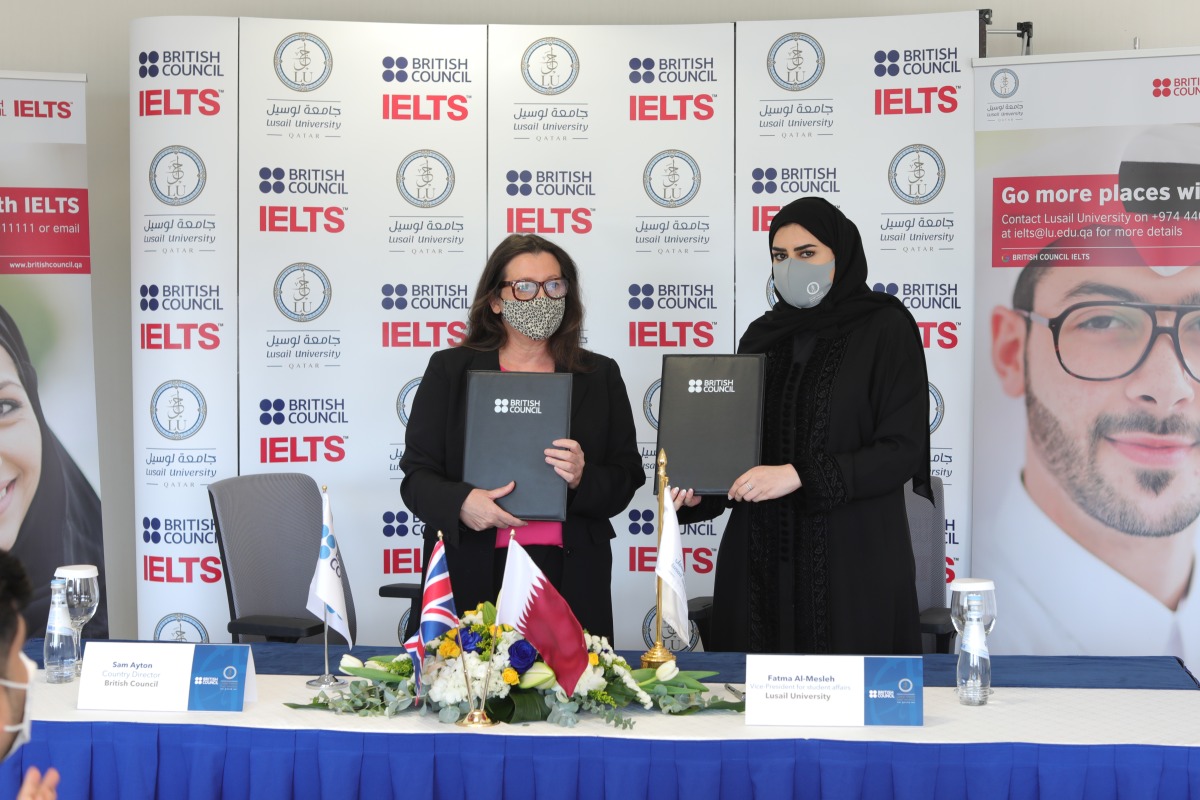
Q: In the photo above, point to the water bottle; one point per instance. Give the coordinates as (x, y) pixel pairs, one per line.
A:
(59, 651)
(974, 665)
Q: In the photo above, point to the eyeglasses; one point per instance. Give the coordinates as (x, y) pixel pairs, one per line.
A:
(527, 289)
(1103, 341)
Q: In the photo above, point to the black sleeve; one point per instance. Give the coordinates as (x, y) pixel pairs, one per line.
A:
(899, 411)
(427, 490)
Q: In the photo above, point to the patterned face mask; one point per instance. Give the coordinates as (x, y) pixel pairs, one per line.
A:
(801, 284)
(538, 318)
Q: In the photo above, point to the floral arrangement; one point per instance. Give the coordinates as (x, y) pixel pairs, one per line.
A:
(518, 686)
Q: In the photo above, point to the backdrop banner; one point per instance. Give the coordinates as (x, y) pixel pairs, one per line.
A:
(1086, 490)
(377, 165)
(49, 456)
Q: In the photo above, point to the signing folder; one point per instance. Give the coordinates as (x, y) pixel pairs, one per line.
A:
(512, 417)
(710, 419)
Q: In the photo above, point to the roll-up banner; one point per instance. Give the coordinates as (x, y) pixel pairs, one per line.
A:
(49, 456)
(1088, 213)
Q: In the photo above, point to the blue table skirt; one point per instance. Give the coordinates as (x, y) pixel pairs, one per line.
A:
(126, 761)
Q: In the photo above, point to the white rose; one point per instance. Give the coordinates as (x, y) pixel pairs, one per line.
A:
(349, 661)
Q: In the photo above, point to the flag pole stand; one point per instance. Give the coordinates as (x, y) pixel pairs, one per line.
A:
(328, 680)
(477, 717)
(658, 655)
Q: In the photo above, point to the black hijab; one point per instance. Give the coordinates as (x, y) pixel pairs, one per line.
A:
(62, 525)
(847, 305)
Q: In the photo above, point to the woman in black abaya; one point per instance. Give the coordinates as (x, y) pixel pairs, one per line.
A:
(49, 513)
(816, 557)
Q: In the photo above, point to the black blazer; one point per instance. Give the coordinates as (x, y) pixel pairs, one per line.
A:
(433, 489)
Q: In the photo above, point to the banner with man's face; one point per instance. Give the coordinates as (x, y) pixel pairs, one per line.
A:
(1087, 434)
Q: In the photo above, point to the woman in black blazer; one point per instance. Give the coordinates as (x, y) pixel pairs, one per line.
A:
(527, 316)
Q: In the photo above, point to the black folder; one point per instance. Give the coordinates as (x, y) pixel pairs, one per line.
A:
(512, 417)
(710, 419)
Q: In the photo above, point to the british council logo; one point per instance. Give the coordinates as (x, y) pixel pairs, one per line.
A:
(404, 400)
(671, 178)
(303, 62)
(1004, 83)
(501, 406)
(302, 292)
(178, 410)
(796, 61)
(425, 178)
(550, 66)
(177, 175)
(917, 174)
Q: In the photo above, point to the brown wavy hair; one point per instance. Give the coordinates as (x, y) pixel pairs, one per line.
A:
(485, 328)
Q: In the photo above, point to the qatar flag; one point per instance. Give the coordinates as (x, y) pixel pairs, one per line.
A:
(535, 608)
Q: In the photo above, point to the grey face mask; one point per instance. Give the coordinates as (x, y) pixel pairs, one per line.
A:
(22, 728)
(802, 284)
(538, 318)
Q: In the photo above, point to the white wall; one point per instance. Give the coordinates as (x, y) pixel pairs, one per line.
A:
(92, 38)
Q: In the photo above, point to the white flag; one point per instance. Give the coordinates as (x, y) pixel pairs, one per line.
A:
(670, 569)
(325, 597)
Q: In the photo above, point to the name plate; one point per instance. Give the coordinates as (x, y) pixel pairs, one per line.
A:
(166, 676)
(834, 690)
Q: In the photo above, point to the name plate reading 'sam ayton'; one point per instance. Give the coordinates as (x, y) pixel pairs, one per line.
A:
(166, 676)
(834, 690)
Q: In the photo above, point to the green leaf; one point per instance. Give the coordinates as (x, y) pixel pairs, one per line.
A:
(314, 705)
(489, 614)
(518, 707)
(374, 674)
(726, 704)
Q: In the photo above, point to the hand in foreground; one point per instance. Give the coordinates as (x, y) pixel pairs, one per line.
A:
(567, 460)
(480, 511)
(37, 786)
(764, 483)
(681, 498)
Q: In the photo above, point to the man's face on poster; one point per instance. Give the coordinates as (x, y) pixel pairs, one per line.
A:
(1126, 448)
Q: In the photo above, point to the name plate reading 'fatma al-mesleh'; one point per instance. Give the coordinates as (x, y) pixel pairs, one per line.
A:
(834, 690)
(166, 676)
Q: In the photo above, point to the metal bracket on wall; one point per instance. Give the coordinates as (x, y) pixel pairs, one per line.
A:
(1023, 31)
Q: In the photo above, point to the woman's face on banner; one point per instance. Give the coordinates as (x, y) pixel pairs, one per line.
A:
(20, 451)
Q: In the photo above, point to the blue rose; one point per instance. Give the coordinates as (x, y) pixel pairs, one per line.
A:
(521, 655)
(469, 640)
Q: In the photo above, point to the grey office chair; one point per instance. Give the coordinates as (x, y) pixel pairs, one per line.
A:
(927, 528)
(269, 531)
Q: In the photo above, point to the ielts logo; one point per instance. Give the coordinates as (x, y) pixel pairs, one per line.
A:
(700, 560)
(675, 333)
(419, 107)
(182, 569)
(946, 334)
(301, 219)
(670, 107)
(549, 220)
(179, 335)
(301, 449)
(916, 100)
(178, 102)
(41, 109)
(423, 333)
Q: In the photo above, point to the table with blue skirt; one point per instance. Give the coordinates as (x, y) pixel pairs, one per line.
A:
(1055, 727)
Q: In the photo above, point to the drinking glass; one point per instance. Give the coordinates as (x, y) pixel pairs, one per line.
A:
(83, 598)
(960, 590)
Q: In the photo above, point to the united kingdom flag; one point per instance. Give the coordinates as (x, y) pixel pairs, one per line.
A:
(438, 614)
